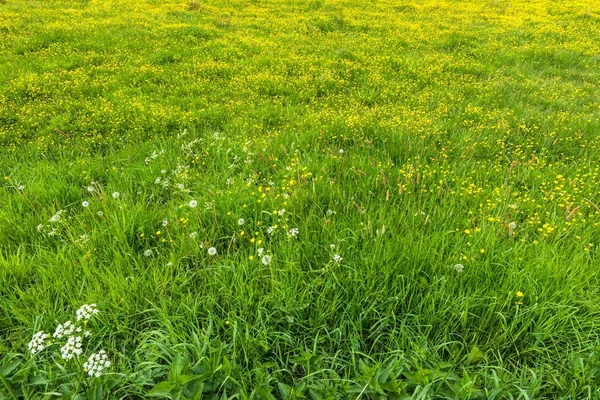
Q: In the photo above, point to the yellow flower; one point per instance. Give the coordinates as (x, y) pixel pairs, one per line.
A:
(519, 293)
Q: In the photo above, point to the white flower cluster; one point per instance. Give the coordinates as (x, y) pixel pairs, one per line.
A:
(72, 348)
(96, 364)
(38, 342)
(337, 258)
(66, 329)
(293, 232)
(86, 311)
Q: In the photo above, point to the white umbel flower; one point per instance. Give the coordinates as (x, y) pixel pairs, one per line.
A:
(72, 348)
(66, 329)
(96, 364)
(337, 258)
(38, 342)
(86, 311)
(293, 232)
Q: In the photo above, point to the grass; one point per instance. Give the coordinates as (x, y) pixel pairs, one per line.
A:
(412, 136)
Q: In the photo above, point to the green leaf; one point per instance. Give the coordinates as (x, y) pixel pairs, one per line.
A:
(163, 389)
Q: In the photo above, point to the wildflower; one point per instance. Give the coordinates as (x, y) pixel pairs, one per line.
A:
(266, 259)
(165, 222)
(519, 293)
(459, 268)
(332, 246)
(72, 348)
(100, 213)
(180, 186)
(39, 227)
(38, 342)
(86, 311)
(115, 195)
(194, 235)
(260, 252)
(212, 251)
(341, 151)
(85, 204)
(241, 221)
(270, 230)
(281, 212)
(55, 218)
(96, 364)
(20, 187)
(293, 232)
(170, 264)
(329, 213)
(90, 189)
(337, 258)
(148, 253)
(208, 205)
(193, 203)
(63, 330)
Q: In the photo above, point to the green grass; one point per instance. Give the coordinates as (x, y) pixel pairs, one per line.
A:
(413, 136)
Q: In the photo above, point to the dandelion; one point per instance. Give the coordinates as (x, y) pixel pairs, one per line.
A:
(85, 204)
(38, 342)
(96, 364)
(341, 151)
(266, 259)
(115, 195)
(86, 311)
(180, 186)
(459, 268)
(193, 235)
(337, 258)
(100, 213)
(212, 251)
(72, 348)
(148, 253)
(90, 189)
(193, 203)
(165, 222)
(241, 221)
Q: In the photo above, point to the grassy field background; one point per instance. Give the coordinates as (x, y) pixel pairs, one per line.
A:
(403, 196)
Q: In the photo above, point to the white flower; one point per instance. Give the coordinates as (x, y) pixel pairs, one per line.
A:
(100, 213)
(293, 232)
(96, 364)
(208, 205)
(329, 213)
(281, 212)
(165, 222)
(180, 186)
(163, 171)
(337, 258)
(40, 227)
(266, 259)
(148, 253)
(260, 251)
(270, 230)
(341, 151)
(20, 187)
(86, 311)
(229, 181)
(241, 221)
(38, 342)
(512, 225)
(72, 348)
(85, 204)
(170, 264)
(55, 217)
(286, 196)
(212, 251)
(459, 268)
(193, 203)
(63, 330)
(194, 235)
(332, 246)
(90, 189)
(115, 195)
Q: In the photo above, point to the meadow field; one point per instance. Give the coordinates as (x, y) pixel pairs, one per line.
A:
(299, 199)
